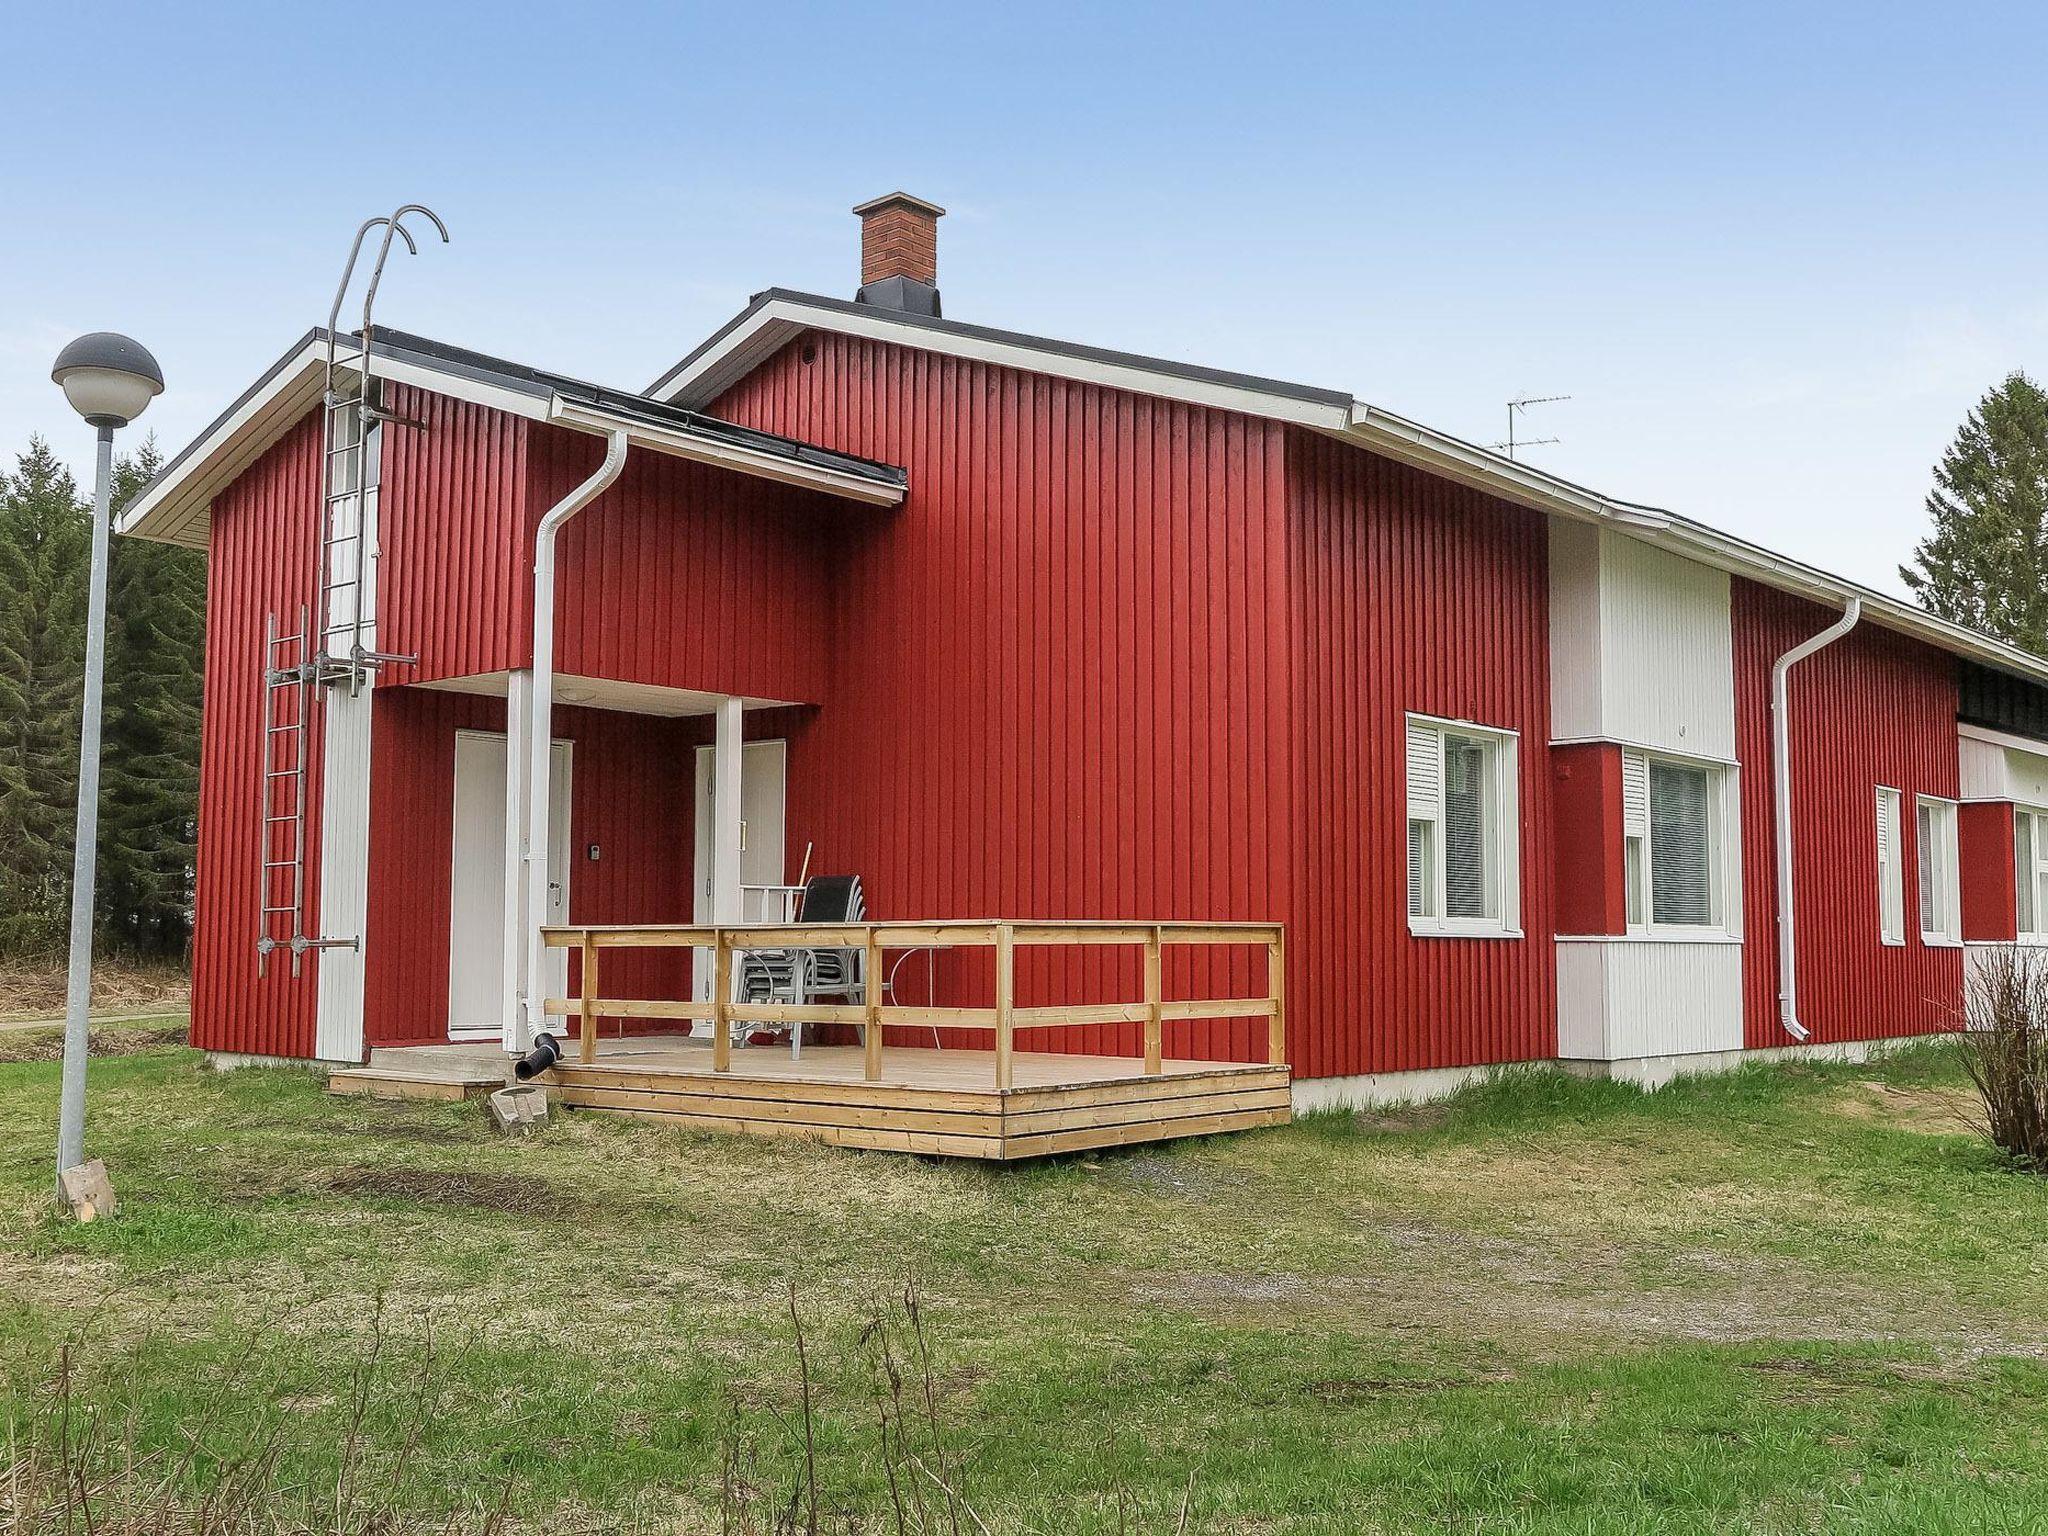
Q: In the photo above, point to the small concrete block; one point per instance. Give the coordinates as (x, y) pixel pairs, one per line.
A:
(88, 1191)
(514, 1110)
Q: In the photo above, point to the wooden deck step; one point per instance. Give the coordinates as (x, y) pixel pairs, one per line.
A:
(394, 1083)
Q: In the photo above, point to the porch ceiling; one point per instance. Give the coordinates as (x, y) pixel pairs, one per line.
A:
(604, 693)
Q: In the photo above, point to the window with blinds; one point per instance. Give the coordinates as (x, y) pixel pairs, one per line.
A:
(1672, 852)
(1936, 859)
(2030, 862)
(1682, 845)
(1462, 829)
(1891, 881)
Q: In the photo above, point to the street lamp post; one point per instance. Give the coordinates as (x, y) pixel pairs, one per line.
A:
(110, 381)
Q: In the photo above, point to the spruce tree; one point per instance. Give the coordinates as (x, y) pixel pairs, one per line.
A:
(156, 596)
(45, 530)
(1985, 564)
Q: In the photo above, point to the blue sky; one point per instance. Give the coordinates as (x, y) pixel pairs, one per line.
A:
(1773, 252)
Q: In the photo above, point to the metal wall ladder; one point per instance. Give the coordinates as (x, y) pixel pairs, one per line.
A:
(327, 650)
(282, 838)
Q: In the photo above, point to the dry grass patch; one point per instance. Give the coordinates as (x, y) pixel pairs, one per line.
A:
(35, 990)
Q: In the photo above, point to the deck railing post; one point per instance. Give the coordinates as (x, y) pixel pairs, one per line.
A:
(1276, 990)
(721, 1001)
(871, 1033)
(1006, 994)
(587, 999)
(1154, 990)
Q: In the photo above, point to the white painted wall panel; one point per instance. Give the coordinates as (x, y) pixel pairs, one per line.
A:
(1620, 999)
(1667, 674)
(1641, 649)
(1574, 630)
(1994, 770)
(344, 873)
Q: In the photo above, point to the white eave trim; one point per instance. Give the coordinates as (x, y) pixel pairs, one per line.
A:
(174, 510)
(699, 380)
(584, 417)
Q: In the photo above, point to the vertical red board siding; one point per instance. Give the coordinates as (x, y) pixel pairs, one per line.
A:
(261, 561)
(1586, 859)
(1873, 708)
(1409, 594)
(1989, 867)
(1059, 670)
(630, 791)
(455, 584)
(681, 574)
(691, 576)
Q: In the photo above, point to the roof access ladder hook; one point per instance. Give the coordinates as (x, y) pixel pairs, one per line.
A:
(393, 225)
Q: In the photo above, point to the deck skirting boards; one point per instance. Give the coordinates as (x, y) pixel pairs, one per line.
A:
(1000, 1126)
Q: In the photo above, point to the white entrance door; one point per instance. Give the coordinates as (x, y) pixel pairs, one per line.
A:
(764, 774)
(476, 933)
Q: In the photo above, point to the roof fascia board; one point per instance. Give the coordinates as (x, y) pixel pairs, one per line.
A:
(702, 378)
(584, 417)
(459, 386)
(1441, 454)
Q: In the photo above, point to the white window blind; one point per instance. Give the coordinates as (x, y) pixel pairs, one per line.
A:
(1425, 803)
(1682, 883)
(1635, 794)
(1891, 893)
(1635, 834)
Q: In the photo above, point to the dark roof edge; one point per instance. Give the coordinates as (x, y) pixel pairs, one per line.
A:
(540, 384)
(1108, 356)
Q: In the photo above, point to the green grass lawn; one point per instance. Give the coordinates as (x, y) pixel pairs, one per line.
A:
(1796, 1299)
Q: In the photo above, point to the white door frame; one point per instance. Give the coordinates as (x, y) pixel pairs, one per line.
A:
(706, 896)
(562, 774)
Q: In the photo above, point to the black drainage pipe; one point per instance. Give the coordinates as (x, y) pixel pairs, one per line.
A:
(547, 1050)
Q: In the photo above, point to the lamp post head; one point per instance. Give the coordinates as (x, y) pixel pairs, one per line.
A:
(108, 378)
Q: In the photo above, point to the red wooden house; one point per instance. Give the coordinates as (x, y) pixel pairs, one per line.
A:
(1057, 649)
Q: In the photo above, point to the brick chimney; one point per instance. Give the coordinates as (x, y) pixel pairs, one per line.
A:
(899, 254)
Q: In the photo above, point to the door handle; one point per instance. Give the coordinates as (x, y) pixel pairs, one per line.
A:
(743, 836)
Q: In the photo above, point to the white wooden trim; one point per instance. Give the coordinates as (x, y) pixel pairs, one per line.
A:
(705, 376)
(1505, 842)
(1891, 873)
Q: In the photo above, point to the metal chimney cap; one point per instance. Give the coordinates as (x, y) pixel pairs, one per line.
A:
(877, 204)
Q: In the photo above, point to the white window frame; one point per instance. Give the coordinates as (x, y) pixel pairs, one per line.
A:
(1639, 854)
(1423, 801)
(1939, 858)
(1891, 866)
(2036, 819)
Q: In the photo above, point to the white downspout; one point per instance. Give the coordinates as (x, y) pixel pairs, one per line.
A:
(539, 724)
(1781, 808)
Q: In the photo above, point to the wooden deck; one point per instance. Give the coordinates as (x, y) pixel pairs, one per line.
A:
(936, 1102)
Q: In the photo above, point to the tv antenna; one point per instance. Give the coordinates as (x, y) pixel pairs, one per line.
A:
(1516, 406)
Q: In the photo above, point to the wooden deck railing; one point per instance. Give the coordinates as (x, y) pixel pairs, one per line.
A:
(872, 1016)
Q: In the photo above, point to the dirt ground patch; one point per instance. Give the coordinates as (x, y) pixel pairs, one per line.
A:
(36, 991)
(466, 1189)
(1907, 1107)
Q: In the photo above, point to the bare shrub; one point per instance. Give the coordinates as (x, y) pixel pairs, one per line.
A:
(2004, 1048)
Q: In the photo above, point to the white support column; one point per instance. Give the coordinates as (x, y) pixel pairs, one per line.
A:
(518, 723)
(727, 802)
